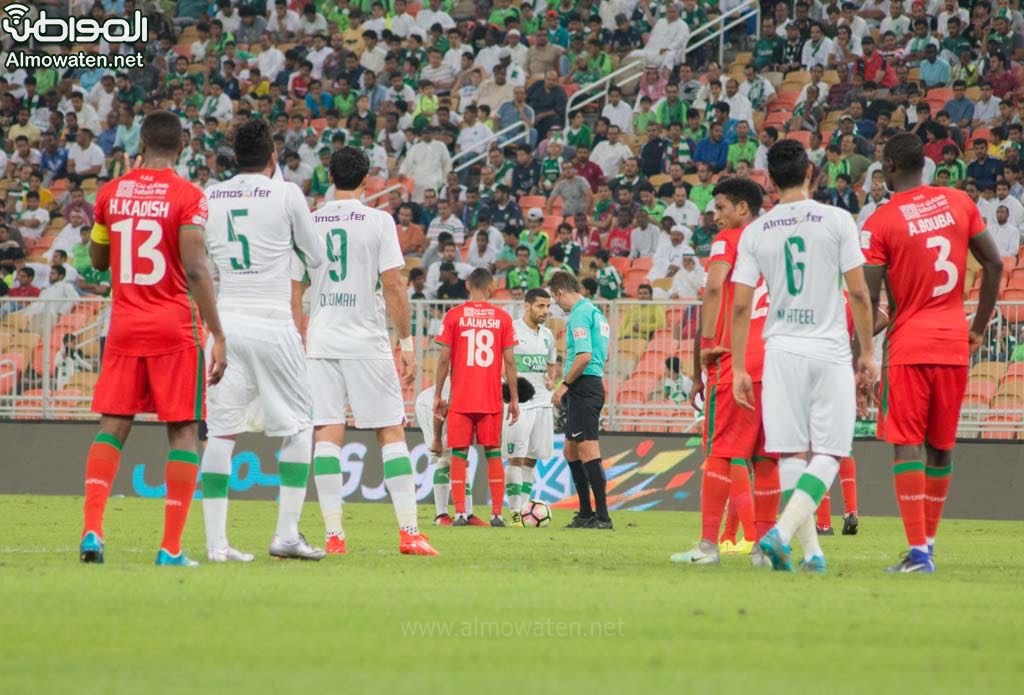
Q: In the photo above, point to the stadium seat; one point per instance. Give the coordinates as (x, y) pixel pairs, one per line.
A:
(1011, 390)
(632, 281)
(1014, 372)
(643, 263)
(531, 201)
(621, 264)
(992, 371)
(631, 346)
(1012, 295)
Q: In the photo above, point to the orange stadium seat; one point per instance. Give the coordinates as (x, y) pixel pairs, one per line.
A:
(621, 264)
(643, 263)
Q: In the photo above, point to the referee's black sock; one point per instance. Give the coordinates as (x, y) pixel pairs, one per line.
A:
(599, 484)
(579, 479)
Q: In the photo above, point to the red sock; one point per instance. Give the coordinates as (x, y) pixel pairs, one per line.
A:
(181, 473)
(732, 525)
(766, 494)
(458, 479)
(936, 488)
(824, 513)
(910, 494)
(714, 491)
(496, 480)
(101, 466)
(741, 501)
(848, 481)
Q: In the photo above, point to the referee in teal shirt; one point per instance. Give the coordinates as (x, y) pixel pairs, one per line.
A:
(586, 345)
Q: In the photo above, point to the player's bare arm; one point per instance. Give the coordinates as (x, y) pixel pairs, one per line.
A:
(99, 248)
(984, 248)
(509, 357)
(861, 303)
(437, 445)
(444, 365)
(575, 372)
(298, 290)
(697, 392)
(200, 284)
(742, 385)
(708, 351)
(397, 302)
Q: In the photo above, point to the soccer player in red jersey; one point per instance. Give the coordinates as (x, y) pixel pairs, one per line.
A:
(149, 231)
(476, 341)
(917, 243)
(732, 435)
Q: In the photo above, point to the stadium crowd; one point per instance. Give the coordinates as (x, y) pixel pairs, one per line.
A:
(618, 191)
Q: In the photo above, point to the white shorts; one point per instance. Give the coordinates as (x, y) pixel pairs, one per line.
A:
(369, 386)
(808, 405)
(425, 421)
(532, 436)
(265, 380)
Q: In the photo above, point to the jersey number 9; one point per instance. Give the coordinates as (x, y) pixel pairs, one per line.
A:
(337, 254)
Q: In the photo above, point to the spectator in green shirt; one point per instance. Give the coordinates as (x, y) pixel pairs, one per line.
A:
(578, 133)
(704, 234)
(703, 192)
(609, 282)
(524, 275)
(768, 49)
(321, 175)
(744, 149)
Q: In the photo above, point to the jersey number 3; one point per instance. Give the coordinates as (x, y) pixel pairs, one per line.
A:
(479, 347)
(943, 265)
(147, 251)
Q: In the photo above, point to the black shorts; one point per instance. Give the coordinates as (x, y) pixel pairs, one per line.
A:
(585, 399)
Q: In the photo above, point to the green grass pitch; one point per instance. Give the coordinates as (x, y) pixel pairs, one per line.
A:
(604, 612)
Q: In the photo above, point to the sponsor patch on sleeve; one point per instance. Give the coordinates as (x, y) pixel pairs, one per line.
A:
(579, 332)
(865, 239)
(718, 248)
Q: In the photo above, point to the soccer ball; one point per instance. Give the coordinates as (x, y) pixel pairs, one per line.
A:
(536, 513)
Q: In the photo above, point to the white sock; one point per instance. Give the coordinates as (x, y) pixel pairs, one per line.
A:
(327, 474)
(514, 482)
(469, 495)
(807, 535)
(296, 452)
(790, 470)
(216, 470)
(442, 483)
(398, 479)
(811, 488)
(526, 485)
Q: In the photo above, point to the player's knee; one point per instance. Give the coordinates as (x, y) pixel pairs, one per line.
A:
(298, 447)
(939, 458)
(390, 435)
(904, 452)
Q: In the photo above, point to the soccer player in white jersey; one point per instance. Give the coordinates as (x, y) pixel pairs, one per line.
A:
(350, 361)
(802, 248)
(255, 223)
(435, 432)
(532, 436)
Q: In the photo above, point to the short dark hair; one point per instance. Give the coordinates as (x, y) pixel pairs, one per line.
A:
(535, 294)
(906, 152)
(161, 133)
(349, 167)
(480, 279)
(787, 163)
(741, 190)
(28, 271)
(253, 145)
(416, 273)
(59, 269)
(590, 284)
(564, 282)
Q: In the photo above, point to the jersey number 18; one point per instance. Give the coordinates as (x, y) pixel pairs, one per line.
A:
(479, 347)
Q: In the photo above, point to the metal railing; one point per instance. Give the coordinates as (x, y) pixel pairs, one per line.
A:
(485, 145)
(43, 376)
(597, 91)
(717, 27)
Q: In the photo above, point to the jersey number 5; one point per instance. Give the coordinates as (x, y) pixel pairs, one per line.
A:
(234, 237)
(147, 251)
(943, 265)
(337, 253)
(479, 347)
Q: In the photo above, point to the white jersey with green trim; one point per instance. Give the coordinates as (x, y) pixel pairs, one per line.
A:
(534, 351)
(347, 312)
(802, 250)
(256, 224)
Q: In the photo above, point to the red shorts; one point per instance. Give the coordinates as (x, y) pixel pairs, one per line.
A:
(730, 430)
(462, 427)
(172, 386)
(920, 404)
